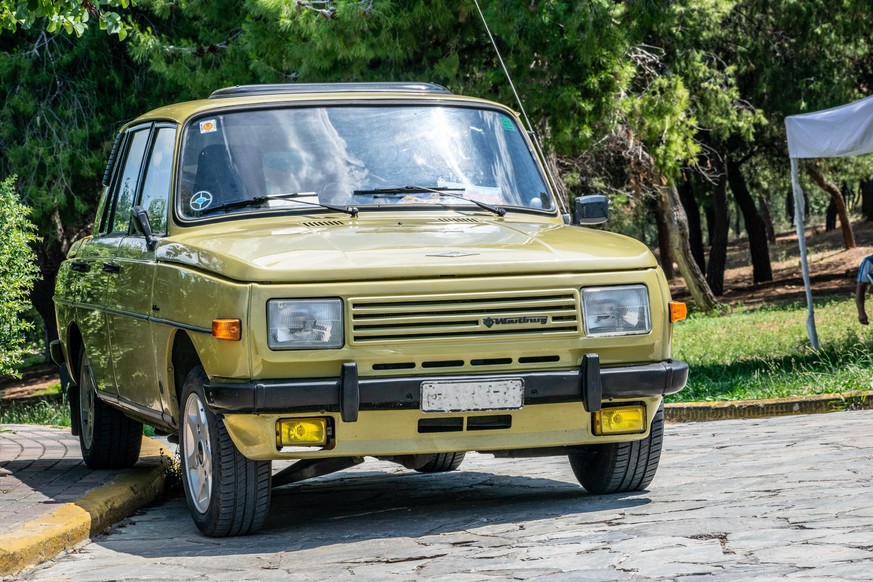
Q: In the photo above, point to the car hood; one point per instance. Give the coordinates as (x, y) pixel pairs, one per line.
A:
(371, 248)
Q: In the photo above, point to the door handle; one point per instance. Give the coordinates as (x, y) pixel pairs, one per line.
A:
(111, 268)
(80, 266)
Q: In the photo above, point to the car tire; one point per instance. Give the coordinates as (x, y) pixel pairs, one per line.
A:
(228, 494)
(442, 462)
(108, 439)
(620, 467)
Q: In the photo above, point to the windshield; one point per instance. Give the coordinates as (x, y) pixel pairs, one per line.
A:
(356, 157)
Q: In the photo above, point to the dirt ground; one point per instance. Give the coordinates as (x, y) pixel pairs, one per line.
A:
(832, 269)
(832, 273)
(32, 382)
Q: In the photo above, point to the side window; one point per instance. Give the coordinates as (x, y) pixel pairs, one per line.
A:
(125, 188)
(156, 188)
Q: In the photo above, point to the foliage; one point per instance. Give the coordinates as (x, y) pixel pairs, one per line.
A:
(571, 61)
(63, 98)
(50, 411)
(624, 94)
(765, 353)
(18, 271)
(58, 121)
(69, 16)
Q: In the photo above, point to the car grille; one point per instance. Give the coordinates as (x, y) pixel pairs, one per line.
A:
(468, 316)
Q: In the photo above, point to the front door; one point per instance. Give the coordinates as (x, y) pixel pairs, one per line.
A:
(130, 327)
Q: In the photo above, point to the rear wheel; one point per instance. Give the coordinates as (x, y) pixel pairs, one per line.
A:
(620, 467)
(108, 439)
(442, 462)
(227, 493)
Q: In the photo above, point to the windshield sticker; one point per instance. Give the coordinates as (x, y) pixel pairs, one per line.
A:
(507, 123)
(210, 125)
(200, 201)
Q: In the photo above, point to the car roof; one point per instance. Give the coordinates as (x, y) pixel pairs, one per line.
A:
(240, 96)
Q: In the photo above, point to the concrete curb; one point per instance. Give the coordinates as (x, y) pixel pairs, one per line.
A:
(70, 524)
(815, 404)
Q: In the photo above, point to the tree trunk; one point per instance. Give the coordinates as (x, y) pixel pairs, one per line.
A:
(678, 223)
(831, 216)
(867, 199)
(767, 217)
(709, 214)
(759, 248)
(665, 252)
(695, 232)
(718, 236)
(814, 172)
(49, 257)
(849, 195)
(558, 179)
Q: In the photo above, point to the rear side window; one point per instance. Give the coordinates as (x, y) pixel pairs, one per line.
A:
(126, 186)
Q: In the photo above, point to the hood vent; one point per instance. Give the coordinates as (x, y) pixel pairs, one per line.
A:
(467, 219)
(323, 223)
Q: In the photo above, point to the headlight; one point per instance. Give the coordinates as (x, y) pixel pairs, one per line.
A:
(616, 310)
(303, 324)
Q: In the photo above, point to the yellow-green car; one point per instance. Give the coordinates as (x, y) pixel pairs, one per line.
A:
(328, 272)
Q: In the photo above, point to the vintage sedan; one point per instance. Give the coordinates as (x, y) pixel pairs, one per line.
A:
(323, 273)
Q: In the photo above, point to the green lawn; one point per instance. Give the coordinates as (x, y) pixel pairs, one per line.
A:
(51, 411)
(765, 353)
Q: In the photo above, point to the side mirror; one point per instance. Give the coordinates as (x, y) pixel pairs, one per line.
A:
(591, 209)
(143, 226)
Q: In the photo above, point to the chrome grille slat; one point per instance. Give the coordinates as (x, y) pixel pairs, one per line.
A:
(463, 306)
(472, 316)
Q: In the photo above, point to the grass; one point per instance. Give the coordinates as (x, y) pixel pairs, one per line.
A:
(765, 353)
(51, 409)
(46, 411)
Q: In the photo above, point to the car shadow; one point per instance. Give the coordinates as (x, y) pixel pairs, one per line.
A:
(357, 506)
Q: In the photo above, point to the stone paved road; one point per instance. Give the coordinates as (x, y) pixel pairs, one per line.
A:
(790, 497)
(41, 467)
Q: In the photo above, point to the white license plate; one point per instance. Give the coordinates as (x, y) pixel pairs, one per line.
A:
(471, 395)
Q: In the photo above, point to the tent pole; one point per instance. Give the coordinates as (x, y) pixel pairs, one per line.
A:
(801, 241)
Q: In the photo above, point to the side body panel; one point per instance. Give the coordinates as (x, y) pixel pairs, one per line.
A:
(81, 289)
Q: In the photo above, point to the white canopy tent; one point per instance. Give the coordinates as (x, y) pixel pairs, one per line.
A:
(833, 133)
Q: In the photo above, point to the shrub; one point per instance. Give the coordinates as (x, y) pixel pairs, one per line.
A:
(18, 271)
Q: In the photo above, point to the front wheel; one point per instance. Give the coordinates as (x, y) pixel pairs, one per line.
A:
(620, 467)
(108, 439)
(227, 493)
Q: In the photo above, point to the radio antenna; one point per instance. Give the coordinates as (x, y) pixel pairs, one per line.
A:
(560, 195)
(502, 64)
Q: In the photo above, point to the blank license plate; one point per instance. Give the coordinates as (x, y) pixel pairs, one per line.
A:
(462, 396)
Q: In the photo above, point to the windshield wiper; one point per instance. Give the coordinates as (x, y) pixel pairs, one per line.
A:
(351, 210)
(442, 191)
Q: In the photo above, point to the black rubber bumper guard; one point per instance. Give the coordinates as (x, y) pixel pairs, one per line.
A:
(350, 394)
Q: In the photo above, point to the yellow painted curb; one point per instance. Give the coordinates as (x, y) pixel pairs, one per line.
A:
(724, 410)
(72, 523)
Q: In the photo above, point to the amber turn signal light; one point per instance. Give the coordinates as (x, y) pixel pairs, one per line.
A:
(678, 311)
(227, 329)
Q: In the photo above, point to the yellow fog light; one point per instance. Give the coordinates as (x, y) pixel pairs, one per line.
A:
(620, 420)
(301, 431)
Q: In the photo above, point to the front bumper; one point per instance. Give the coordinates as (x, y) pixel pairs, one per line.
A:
(349, 394)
